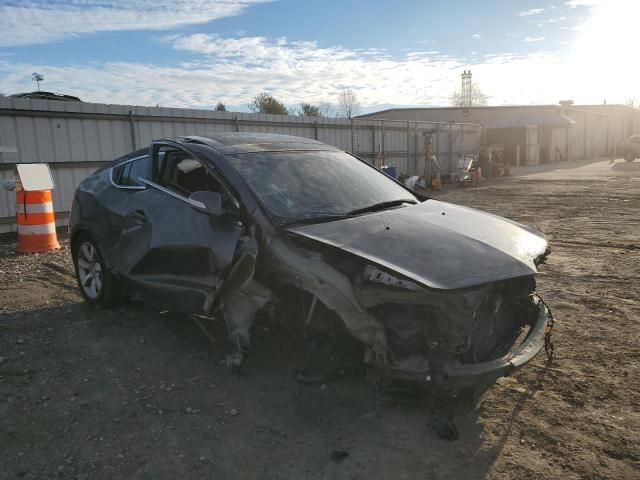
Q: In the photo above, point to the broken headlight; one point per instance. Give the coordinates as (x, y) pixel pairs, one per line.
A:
(375, 275)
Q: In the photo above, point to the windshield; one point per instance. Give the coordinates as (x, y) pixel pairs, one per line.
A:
(303, 186)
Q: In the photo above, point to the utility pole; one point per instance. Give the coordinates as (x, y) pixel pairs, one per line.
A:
(37, 77)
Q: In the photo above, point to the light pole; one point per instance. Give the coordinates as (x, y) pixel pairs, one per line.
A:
(37, 77)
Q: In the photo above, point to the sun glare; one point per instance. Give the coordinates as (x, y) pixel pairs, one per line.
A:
(603, 60)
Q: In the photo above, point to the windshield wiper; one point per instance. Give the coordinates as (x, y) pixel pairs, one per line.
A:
(330, 217)
(380, 206)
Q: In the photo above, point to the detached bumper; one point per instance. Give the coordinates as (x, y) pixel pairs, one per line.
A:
(459, 376)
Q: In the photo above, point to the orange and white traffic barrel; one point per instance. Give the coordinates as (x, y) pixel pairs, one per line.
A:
(36, 222)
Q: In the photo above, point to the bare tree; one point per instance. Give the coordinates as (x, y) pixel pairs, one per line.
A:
(630, 101)
(476, 97)
(348, 103)
(221, 107)
(267, 103)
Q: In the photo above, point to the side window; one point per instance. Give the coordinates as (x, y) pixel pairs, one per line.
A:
(183, 174)
(126, 174)
(138, 168)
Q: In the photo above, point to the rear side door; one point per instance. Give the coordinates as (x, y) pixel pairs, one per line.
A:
(174, 253)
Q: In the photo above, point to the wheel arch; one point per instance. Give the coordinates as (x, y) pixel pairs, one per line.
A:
(76, 233)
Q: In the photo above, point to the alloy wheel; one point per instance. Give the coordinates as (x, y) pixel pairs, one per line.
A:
(89, 270)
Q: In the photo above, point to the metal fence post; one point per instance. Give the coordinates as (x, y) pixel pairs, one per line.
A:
(373, 142)
(428, 161)
(408, 141)
(450, 147)
(132, 126)
(438, 142)
(353, 134)
(236, 121)
(416, 148)
(382, 142)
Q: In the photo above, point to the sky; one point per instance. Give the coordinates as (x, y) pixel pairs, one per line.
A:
(195, 53)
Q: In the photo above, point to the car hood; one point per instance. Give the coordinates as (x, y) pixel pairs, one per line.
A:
(437, 244)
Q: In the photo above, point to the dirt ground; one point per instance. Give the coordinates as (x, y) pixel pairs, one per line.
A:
(132, 393)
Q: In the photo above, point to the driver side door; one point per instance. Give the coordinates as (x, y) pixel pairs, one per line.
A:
(174, 252)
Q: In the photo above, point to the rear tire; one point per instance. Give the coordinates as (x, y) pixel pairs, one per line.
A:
(629, 156)
(96, 283)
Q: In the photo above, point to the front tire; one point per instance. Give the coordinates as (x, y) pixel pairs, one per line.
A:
(629, 156)
(96, 283)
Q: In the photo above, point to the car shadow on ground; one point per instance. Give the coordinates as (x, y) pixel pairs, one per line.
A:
(152, 383)
(533, 386)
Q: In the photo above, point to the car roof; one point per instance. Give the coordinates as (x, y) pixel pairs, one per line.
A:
(230, 143)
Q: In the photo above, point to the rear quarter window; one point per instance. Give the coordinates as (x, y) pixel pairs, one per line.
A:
(138, 153)
(126, 174)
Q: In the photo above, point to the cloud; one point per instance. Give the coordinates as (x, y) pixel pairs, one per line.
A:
(304, 70)
(551, 20)
(532, 11)
(476, 35)
(583, 3)
(42, 21)
(233, 70)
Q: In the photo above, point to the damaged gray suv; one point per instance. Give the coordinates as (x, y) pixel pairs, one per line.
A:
(240, 225)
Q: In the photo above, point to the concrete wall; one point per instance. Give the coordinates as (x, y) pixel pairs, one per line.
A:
(75, 138)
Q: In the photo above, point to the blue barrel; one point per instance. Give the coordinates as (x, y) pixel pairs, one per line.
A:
(391, 171)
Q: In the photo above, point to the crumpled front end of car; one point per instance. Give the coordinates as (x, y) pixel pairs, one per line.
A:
(453, 340)
(441, 295)
(448, 340)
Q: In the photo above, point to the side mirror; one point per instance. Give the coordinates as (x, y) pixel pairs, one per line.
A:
(207, 202)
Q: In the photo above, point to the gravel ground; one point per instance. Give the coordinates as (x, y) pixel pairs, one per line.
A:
(132, 393)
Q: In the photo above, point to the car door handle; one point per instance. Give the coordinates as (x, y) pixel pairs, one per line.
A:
(138, 215)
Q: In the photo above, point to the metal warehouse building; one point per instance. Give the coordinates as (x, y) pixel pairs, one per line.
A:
(534, 134)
